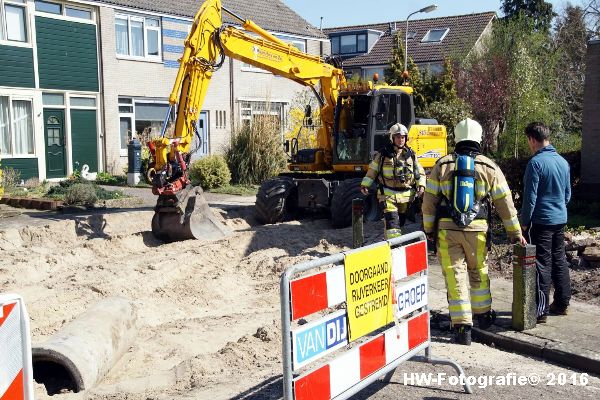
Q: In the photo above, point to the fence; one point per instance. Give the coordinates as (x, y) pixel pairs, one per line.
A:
(368, 313)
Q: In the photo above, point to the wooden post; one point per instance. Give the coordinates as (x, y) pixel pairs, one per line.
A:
(358, 237)
(524, 306)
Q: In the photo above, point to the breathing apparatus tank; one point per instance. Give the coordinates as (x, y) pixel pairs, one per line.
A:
(464, 184)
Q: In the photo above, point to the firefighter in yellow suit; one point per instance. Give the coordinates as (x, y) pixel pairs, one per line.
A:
(462, 251)
(399, 177)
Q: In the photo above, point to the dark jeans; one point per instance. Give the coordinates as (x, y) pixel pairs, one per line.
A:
(551, 265)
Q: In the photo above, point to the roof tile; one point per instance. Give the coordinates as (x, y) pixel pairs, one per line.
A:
(464, 32)
(272, 15)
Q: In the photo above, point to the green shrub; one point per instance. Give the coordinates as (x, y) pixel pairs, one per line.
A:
(256, 151)
(566, 142)
(105, 178)
(210, 172)
(448, 113)
(81, 194)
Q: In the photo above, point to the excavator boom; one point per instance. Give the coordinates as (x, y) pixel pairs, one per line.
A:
(206, 46)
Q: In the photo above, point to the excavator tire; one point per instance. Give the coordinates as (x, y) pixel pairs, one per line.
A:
(186, 216)
(277, 200)
(341, 204)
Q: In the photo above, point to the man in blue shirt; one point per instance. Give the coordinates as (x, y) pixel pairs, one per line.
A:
(544, 216)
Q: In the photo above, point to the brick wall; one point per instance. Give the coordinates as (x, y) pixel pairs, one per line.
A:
(590, 173)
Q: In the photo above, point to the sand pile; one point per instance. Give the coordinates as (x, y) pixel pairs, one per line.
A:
(208, 312)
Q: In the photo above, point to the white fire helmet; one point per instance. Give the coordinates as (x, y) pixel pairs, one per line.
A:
(468, 129)
(398, 129)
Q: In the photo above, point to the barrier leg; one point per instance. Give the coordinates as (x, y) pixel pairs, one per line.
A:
(442, 361)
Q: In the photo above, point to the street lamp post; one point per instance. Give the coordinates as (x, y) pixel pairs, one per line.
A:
(422, 10)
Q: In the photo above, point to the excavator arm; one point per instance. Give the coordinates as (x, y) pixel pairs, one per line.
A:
(206, 47)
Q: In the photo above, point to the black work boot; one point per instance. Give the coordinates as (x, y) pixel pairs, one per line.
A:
(486, 319)
(462, 334)
(555, 309)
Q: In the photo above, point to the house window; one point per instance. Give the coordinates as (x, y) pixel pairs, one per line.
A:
(361, 43)
(138, 37)
(411, 35)
(45, 6)
(61, 9)
(271, 113)
(435, 35)
(370, 71)
(348, 44)
(335, 45)
(13, 20)
(142, 118)
(126, 118)
(221, 119)
(53, 99)
(87, 102)
(78, 13)
(16, 127)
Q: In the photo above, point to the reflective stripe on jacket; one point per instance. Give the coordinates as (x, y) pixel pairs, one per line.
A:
(397, 173)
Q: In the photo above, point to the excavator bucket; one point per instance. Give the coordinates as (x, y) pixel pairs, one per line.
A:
(186, 215)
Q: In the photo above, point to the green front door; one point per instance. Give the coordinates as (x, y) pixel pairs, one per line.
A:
(54, 131)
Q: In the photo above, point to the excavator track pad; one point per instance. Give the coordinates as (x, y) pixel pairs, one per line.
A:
(186, 215)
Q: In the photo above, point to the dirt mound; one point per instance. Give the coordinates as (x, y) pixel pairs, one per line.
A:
(208, 310)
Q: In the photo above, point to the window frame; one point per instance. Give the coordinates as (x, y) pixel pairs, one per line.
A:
(254, 106)
(220, 119)
(356, 36)
(71, 96)
(335, 49)
(128, 115)
(427, 40)
(4, 28)
(11, 99)
(130, 101)
(145, 29)
(63, 12)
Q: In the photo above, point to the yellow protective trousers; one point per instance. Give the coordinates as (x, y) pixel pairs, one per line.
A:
(394, 215)
(463, 257)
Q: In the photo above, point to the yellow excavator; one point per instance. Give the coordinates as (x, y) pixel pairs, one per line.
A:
(355, 119)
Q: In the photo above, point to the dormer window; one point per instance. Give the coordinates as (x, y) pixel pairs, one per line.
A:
(349, 44)
(435, 35)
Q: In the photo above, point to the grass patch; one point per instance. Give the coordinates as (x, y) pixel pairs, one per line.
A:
(237, 190)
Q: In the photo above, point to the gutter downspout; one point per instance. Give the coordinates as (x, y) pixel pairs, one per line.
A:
(231, 98)
(102, 108)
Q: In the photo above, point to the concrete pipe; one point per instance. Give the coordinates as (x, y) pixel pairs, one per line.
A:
(84, 350)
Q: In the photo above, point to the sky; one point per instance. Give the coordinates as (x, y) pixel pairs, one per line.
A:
(357, 12)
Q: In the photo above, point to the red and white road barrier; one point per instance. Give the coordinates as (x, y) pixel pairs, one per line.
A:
(16, 377)
(350, 368)
(314, 293)
(354, 360)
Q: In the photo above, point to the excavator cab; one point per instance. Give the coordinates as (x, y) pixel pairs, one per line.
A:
(362, 121)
